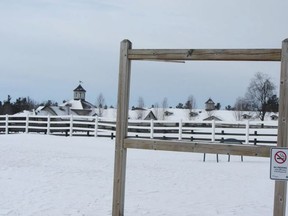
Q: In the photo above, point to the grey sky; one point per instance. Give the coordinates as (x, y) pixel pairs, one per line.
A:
(47, 46)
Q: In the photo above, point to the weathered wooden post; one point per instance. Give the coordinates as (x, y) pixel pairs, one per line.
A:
(180, 130)
(71, 125)
(151, 129)
(213, 130)
(96, 126)
(6, 124)
(123, 142)
(247, 132)
(121, 129)
(48, 124)
(27, 123)
(282, 139)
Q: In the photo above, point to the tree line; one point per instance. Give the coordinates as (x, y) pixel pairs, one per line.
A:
(20, 104)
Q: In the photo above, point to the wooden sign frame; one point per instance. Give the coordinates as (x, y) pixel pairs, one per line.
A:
(122, 143)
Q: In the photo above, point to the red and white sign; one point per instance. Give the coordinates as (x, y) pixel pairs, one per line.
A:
(279, 164)
(280, 157)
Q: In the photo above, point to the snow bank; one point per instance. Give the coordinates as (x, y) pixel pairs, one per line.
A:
(52, 175)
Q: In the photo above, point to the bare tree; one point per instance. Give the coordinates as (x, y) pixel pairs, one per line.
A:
(239, 108)
(259, 92)
(190, 105)
(140, 108)
(100, 104)
(156, 110)
(164, 107)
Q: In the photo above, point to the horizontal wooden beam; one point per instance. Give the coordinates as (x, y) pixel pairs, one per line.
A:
(199, 147)
(206, 54)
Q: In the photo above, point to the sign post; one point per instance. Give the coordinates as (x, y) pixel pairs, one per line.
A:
(280, 191)
(279, 164)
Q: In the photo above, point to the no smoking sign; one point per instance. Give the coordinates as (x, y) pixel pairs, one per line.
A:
(279, 164)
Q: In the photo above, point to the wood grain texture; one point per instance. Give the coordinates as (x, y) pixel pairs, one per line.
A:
(206, 54)
(282, 139)
(121, 127)
(198, 147)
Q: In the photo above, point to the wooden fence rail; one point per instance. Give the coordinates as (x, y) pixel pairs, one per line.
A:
(248, 132)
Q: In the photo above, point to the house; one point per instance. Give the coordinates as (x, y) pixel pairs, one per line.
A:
(150, 116)
(210, 118)
(168, 113)
(76, 106)
(246, 116)
(79, 93)
(209, 105)
(193, 114)
(142, 114)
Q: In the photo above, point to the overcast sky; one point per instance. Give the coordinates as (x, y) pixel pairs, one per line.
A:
(48, 46)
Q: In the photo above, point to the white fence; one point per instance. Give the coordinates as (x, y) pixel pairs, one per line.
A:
(246, 131)
(67, 125)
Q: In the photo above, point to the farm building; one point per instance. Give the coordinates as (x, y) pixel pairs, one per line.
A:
(76, 106)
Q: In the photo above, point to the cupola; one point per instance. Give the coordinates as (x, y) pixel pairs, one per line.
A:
(79, 93)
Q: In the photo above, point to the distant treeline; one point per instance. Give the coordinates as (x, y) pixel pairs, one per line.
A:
(20, 104)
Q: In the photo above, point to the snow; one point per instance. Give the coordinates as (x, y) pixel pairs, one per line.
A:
(54, 175)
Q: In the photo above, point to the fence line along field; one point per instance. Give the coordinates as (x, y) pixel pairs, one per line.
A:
(248, 132)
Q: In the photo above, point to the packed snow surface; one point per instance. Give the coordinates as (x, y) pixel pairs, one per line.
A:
(42, 175)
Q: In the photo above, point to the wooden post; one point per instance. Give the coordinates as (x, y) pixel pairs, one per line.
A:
(48, 125)
(6, 124)
(282, 139)
(71, 125)
(213, 131)
(151, 129)
(247, 132)
(121, 125)
(96, 126)
(180, 130)
(27, 123)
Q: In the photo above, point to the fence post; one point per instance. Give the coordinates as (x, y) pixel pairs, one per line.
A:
(180, 130)
(247, 132)
(27, 123)
(213, 130)
(121, 134)
(48, 125)
(96, 126)
(6, 124)
(151, 128)
(71, 124)
(280, 192)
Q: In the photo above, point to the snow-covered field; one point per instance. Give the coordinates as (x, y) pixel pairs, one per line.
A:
(42, 175)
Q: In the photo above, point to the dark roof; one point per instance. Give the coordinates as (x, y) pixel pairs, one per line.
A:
(193, 114)
(212, 118)
(150, 116)
(137, 108)
(87, 105)
(80, 88)
(246, 115)
(167, 113)
(209, 101)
